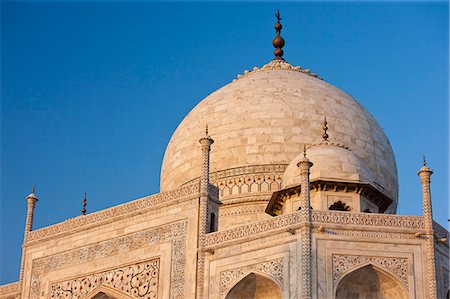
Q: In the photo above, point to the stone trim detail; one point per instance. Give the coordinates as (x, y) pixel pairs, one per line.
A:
(175, 232)
(397, 265)
(367, 219)
(277, 65)
(241, 210)
(139, 280)
(130, 207)
(246, 170)
(10, 290)
(246, 180)
(318, 217)
(229, 278)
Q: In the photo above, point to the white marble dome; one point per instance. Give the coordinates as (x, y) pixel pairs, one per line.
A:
(330, 163)
(265, 117)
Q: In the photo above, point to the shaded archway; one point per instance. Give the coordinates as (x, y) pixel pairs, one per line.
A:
(255, 286)
(106, 292)
(370, 282)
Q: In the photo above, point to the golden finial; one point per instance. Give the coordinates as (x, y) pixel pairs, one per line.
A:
(206, 129)
(304, 150)
(325, 129)
(83, 210)
(278, 41)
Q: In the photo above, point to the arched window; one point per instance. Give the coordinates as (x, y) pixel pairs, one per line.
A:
(106, 292)
(255, 286)
(339, 206)
(212, 222)
(370, 282)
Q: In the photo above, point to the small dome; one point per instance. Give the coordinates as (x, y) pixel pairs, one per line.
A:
(330, 163)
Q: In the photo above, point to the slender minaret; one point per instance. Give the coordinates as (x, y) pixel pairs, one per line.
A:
(31, 203)
(425, 173)
(305, 238)
(205, 142)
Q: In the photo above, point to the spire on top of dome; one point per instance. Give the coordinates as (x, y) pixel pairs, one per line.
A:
(325, 128)
(278, 41)
(83, 210)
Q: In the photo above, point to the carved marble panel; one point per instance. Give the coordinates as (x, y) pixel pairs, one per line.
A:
(396, 265)
(174, 232)
(229, 278)
(139, 280)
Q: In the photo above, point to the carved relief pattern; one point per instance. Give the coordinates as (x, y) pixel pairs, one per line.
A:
(175, 232)
(397, 265)
(247, 179)
(113, 212)
(8, 290)
(242, 210)
(139, 280)
(367, 219)
(318, 217)
(230, 277)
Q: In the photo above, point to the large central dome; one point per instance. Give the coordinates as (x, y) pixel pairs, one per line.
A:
(265, 117)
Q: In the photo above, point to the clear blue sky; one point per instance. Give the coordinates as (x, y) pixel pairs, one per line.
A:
(92, 91)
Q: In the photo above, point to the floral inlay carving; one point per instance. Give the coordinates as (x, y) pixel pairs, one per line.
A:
(397, 265)
(174, 232)
(139, 280)
(228, 278)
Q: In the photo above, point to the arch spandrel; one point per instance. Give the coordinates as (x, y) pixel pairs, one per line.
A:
(255, 286)
(370, 281)
(106, 292)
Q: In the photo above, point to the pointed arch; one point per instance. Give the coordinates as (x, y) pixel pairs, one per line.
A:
(255, 285)
(370, 281)
(108, 293)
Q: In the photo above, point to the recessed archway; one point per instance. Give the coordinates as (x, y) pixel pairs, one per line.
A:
(370, 282)
(105, 292)
(255, 286)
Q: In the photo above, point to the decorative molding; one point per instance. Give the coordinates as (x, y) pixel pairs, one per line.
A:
(10, 290)
(139, 280)
(229, 278)
(241, 210)
(251, 229)
(372, 235)
(387, 220)
(277, 65)
(234, 249)
(246, 170)
(130, 207)
(246, 180)
(396, 265)
(175, 232)
(318, 217)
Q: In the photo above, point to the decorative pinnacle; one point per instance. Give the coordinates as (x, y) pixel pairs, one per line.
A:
(424, 161)
(325, 129)
(278, 41)
(83, 210)
(33, 188)
(206, 131)
(304, 150)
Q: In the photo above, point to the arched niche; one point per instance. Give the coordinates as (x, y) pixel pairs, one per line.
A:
(371, 282)
(106, 292)
(255, 286)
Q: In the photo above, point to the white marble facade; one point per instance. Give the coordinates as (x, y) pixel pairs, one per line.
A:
(176, 244)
